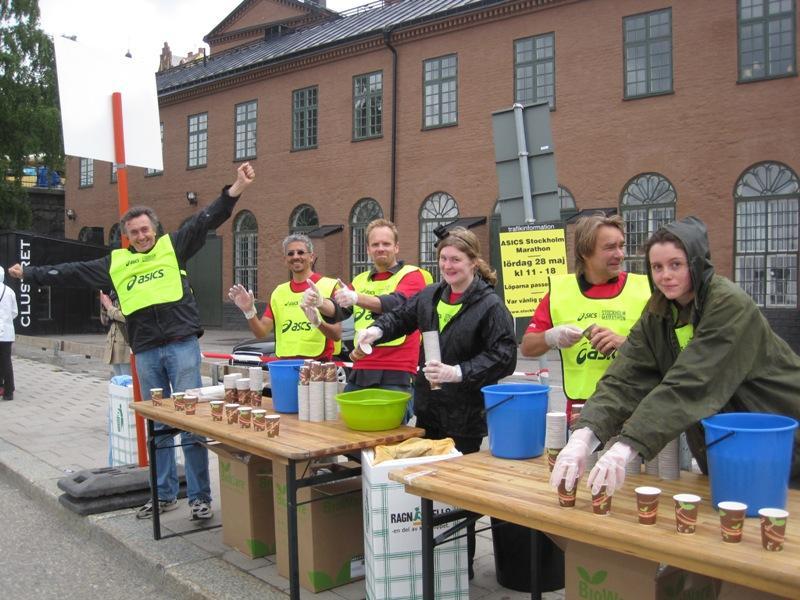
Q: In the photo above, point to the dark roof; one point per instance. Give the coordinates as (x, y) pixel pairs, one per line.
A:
(349, 28)
(587, 212)
(324, 231)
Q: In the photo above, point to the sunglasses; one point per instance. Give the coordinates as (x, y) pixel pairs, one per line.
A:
(295, 253)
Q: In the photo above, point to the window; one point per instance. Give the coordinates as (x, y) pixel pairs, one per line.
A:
(438, 209)
(648, 202)
(245, 251)
(767, 39)
(113, 172)
(86, 168)
(364, 212)
(368, 106)
(766, 238)
(114, 236)
(304, 118)
(245, 142)
(151, 172)
(535, 69)
(303, 219)
(648, 54)
(567, 201)
(441, 91)
(198, 140)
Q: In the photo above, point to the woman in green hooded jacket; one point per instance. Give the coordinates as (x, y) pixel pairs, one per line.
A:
(701, 347)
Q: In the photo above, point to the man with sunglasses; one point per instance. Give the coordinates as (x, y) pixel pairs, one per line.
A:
(300, 332)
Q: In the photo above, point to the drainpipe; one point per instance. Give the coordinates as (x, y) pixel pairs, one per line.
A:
(387, 34)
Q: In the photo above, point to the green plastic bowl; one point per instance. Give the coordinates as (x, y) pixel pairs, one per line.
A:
(372, 409)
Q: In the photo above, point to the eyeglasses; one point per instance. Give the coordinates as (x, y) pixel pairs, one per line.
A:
(295, 252)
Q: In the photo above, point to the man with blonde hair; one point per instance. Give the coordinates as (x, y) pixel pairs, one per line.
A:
(587, 315)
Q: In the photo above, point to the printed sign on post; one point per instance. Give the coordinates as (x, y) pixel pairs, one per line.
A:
(529, 255)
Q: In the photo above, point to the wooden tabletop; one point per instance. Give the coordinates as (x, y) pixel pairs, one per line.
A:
(519, 491)
(297, 440)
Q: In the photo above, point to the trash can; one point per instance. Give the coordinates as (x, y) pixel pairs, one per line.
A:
(512, 558)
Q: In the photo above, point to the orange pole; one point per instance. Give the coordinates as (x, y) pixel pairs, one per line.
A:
(122, 195)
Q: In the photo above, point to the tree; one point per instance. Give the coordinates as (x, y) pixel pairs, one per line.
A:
(30, 122)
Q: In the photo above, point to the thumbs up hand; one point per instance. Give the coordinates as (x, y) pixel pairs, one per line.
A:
(344, 296)
(311, 297)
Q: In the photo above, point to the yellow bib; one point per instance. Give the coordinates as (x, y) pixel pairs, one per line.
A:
(446, 313)
(294, 335)
(363, 318)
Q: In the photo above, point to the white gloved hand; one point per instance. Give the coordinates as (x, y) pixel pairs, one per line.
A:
(571, 461)
(244, 299)
(562, 336)
(369, 336)
(344, 296)
(313, 316)
(437, 372)
(610, 468)
(311, 297)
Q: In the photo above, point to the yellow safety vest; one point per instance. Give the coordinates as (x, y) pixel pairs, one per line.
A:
(146, 279)
(294, 335)
(362, 318)
(684, 335)
(582, 366)
(446, 313)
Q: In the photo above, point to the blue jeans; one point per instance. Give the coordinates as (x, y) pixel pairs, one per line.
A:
(352, 387)
(176, 367)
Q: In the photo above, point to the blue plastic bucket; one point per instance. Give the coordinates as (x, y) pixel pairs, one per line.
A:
(284, 376)
(516, 416)
(749, 458)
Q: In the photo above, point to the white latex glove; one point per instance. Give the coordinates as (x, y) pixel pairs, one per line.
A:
(244, 299)
(344, 296)
(311, 297)
(313, 316)
(610, 468)
(369, 335)
(571, 461)
(562, 336)
(437, 372)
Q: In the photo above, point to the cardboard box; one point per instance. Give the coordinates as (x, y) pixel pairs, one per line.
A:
(731, 591)
(245, 484)
(329, 532)
(593, 572)
(393, 542)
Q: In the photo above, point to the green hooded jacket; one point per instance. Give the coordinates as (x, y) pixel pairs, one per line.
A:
(653, 391)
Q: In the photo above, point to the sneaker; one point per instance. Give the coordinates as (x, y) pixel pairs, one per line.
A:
(200, 509)
(146, 511)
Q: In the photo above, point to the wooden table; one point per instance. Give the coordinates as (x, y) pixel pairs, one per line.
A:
(298, 441)
(519, 491)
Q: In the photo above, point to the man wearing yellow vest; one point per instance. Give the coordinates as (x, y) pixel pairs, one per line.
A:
(587, 316)
(163, 321)
(299, 330)
(388, 284)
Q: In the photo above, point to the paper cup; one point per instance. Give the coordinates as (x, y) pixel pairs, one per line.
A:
(217, 410)
(156, 395)
(273, 425)
(178, 401)
(243, 391)
(190, 404)
(255, 397)
(773, 528)
(686, 506)
(552, 455)
(232, 413)
(566, 498)
(259, 416)
(245, 413)
(647, 504)
(731, 521)
(601, 502)
(430, 343)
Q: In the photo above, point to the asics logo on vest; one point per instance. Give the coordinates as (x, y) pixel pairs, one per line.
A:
(586, 354)
(584, 316)
(157, 274)
(296, 326)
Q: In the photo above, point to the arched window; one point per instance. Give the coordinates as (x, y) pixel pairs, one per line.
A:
(245, 251)
(648, 202)
(567, 200)
(114, 236)
(304, 218)
(86, 234)
(439, 208)
(365, 211)
(766, 235)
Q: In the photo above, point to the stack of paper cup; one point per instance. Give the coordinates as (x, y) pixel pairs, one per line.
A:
(430, 344)
(316, 393)
(634, 467)
(243, 391)
(668, 465)
(229, 382)
(651, 466)
(256, 385)
(331, 389)
(591, 461)
(303, 393)
(555, 436)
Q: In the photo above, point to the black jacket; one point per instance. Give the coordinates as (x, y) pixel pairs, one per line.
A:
(480, 339)
(160, 324)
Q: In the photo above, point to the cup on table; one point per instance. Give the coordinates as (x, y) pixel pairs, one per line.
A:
(552, 455)
(232, 413)
(259, 416)
(731, 521)
(647, 504)
(601, 502)
(430, 343)
(190, 404)
(686, 506)
(217, 409)
(156, 395)
(773, 528)
(255, 395)
(178, 401)
(566, 498)
(245, 413)
(273, 425)
(243, 390)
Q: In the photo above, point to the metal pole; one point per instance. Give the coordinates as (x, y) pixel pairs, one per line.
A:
(427, 549)
(291, 530)
(151, 444)
(522, 151)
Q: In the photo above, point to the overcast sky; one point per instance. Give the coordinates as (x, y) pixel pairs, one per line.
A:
(142, 26)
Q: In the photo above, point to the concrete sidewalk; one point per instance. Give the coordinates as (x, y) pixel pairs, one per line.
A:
(57, 425)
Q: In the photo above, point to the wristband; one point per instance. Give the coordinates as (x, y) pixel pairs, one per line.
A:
(249, 314)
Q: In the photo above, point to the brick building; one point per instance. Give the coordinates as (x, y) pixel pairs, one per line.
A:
(660, 109)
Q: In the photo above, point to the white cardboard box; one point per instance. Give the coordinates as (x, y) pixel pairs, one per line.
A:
(393, 538)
